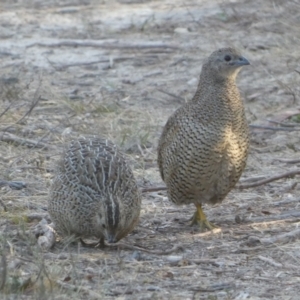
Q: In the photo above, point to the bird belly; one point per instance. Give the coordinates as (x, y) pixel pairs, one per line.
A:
(209, 181)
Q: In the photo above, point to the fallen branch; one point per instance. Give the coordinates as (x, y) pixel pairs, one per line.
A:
(15, 185)
(268, 180)
(273, 128)
(238, 186)
(284, 124)
(11, 138)
(104, 60)
(106, 44)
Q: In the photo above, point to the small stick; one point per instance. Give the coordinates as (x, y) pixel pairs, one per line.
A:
(131, 247)
(172, 95)
(4, 271)
(3, 205)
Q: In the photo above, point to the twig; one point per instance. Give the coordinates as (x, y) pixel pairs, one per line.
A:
(36, 99)
(273, 128)
(270, 179)
(32, 106)
(283, 124)
(291, 215)
(172, 95)
(6, 110)
(288, 161)
(3, 205)
(4, 271)
(153, 189)
(212, 288)
(131, 247)
(11, 138)
(270, 261)
(198, 261)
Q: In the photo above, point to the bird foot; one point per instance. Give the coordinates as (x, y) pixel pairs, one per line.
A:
(202, 222)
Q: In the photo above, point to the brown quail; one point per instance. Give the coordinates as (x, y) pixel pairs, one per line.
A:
(94, 193)
(203, 148)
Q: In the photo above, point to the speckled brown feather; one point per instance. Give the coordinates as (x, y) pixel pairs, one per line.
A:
(94, 193)
(203, 148)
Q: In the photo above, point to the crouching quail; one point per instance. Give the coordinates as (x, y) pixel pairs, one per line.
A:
(94, 193)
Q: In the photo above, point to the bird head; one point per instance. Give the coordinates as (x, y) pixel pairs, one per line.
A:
(225, 63)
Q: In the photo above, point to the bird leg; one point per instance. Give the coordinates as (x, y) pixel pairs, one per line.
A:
(199, 218)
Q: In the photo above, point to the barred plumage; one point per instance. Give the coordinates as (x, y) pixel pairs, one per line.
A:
(203, 148)
(94, 193)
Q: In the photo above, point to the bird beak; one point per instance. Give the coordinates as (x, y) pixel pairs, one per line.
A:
(111, 238)
(241, 61)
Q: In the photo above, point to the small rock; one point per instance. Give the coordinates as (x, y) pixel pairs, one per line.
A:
(193, 81)
(181, 30)
(136, 255)
(174, 259)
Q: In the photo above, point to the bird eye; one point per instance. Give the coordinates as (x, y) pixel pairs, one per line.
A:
(103, 225)
(227, 58)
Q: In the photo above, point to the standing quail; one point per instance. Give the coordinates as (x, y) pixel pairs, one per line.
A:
(203, 148)
(94, 193)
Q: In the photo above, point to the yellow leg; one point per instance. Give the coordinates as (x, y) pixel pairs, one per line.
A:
(199, 218)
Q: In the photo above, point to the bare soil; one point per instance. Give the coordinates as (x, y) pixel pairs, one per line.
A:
(119, 69)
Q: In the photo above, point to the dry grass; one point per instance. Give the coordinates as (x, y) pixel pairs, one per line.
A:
(51, 93)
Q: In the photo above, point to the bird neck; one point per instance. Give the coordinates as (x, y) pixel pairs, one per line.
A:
(217, 89)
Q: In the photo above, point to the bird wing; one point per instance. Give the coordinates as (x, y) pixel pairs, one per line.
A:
(186, 138)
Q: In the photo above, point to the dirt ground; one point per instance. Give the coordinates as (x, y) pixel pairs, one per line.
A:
(119, 69)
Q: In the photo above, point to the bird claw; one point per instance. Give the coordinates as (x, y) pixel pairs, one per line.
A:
(203, 223)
